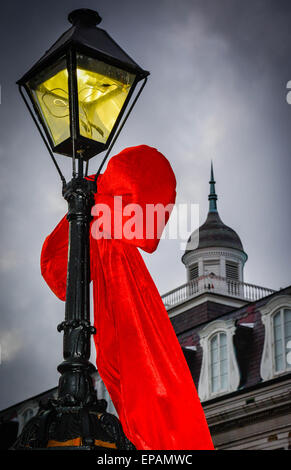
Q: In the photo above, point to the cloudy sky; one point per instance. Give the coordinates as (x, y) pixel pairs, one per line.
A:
(217, 90)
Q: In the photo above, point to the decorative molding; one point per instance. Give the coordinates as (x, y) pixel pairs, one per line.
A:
(205, 253)
(280, 301)
(259, 412)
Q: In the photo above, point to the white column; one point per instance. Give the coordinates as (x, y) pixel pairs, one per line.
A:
(241, 271)
(200, 267)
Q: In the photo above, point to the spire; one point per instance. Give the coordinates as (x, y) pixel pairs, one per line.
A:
(212, 196)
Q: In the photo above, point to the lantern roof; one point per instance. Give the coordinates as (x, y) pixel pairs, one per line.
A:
(84, 35)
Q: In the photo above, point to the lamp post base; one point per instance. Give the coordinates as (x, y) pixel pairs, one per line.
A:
(57, 427)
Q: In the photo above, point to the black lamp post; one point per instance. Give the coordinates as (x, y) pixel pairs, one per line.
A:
(78, 92)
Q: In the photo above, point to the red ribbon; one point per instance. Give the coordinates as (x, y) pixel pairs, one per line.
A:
(138, 354)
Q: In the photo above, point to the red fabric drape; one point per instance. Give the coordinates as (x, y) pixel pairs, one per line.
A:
(138, 355)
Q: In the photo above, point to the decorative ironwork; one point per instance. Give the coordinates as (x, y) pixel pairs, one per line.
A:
(77, 418)
(57, 426)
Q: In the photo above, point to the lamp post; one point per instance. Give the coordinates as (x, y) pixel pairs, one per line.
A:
(77, 94)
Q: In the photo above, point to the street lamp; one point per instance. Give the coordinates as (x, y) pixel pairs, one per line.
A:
(81, 86)
(77, 95)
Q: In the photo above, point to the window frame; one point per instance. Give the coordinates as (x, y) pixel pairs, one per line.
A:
(206, 334)
(282, 315)
(268, 312)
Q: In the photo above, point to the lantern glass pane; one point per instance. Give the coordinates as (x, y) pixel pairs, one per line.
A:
(51, 96)
(102, 91)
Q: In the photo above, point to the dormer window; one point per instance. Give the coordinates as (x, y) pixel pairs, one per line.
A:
(219, 371)
(276, 317)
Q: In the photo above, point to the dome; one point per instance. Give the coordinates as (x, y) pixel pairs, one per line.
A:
(214, 233)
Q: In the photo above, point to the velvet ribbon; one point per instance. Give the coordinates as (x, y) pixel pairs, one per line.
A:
(139, 357)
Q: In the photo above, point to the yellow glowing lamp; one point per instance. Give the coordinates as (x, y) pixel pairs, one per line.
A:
(80, 88)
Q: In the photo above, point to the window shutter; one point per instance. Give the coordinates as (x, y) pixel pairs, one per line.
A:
(232, 271)
(212, 267)
(194, 271)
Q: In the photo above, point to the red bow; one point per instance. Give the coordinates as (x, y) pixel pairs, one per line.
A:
(138, 354)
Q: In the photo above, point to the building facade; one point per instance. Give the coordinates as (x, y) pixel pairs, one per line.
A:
(236, 338)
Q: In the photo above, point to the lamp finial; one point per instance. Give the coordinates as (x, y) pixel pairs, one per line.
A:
(84, 16)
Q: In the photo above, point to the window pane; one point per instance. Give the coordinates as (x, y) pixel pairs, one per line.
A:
(224, 382)
(287, 324)
(279, 347)
(278, 344)
(215, 369)
(223, 367)
(288, 354)
(222, 339)
(223, 362)
(219, 363)
(223, 347)
(223, 353)
(277, 326)
(102, 91)
(214, 358)
(278, 332)
(214, 349)
(279, 363)
(214, 342)
(214, 387)
(277, 319)
(51, 96)
(287, 328)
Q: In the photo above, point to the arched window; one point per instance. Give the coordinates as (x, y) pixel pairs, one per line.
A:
(276, 318)
(219, 372)
(282, 337)
(218, 363)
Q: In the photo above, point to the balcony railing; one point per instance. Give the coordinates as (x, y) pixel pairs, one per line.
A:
(216, 285)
